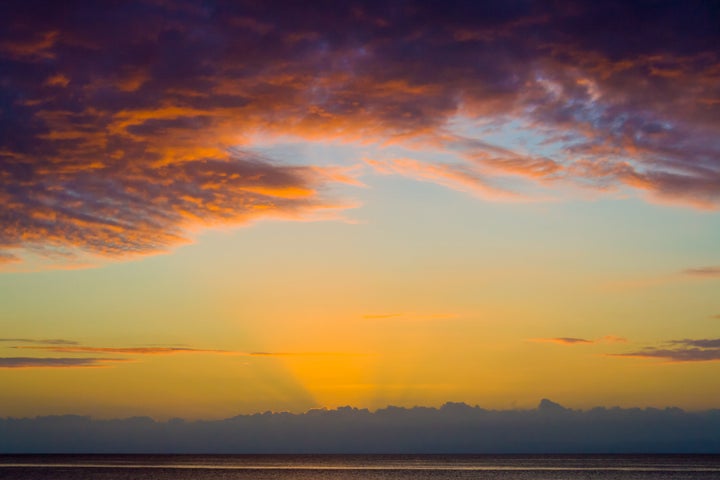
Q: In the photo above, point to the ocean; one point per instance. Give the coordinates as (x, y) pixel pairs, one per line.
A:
(356, 467)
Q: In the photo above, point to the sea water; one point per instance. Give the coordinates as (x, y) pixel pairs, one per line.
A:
(356, 467)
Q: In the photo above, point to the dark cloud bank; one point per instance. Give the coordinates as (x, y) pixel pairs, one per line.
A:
(453, 428)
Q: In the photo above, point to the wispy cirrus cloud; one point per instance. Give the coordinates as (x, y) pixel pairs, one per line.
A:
(113, 145)
(686, 350)
(456, 176)
(62, 362)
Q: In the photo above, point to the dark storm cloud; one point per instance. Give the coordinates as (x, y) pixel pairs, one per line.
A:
(453, 428)
(117, 119)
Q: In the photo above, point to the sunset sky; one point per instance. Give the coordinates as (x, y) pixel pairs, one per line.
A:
(214, 208)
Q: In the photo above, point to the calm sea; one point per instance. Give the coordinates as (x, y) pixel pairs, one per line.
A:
(370, 467)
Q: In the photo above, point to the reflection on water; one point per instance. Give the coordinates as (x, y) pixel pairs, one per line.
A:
(367, 467)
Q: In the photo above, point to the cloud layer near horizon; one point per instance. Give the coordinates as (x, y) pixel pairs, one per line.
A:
(453, 428)
(120, 124)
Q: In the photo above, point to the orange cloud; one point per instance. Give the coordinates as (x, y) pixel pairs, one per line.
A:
(148, 210)
(538, 168)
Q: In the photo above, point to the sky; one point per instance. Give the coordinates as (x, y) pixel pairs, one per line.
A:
(219, 208)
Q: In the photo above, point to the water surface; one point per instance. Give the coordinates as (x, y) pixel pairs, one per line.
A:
(356, 467)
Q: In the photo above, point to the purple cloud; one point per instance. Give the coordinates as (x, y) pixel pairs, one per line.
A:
(563, 340)
(33, 362)
(120, 123)
(51, 341)
(580, 341)
(687, 350)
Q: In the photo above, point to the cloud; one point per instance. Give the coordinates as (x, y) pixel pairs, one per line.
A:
(6, 258)
(580, 341)
(150, 210)
(613, 339)
(33, 362)
(172, 351)
(458, 177)
(703, 272)
(562, 340)
(702, 343)
(687, 350)
(51, 341)
(126, 350)
(452, 428)
(115, 145)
